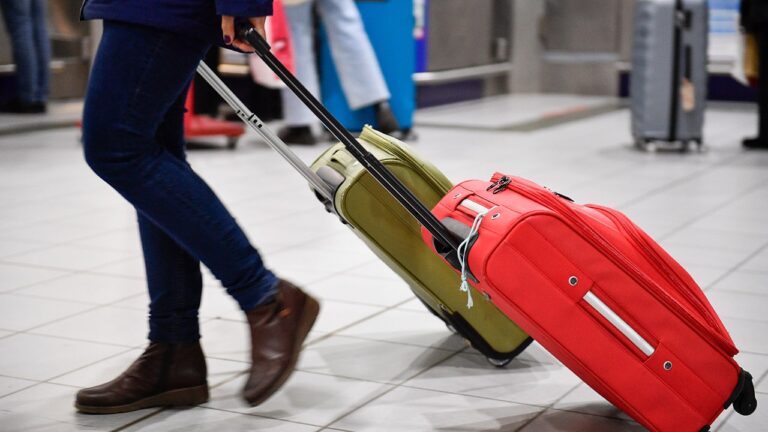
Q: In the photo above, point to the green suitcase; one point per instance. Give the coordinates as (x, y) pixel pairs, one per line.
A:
(395, 237)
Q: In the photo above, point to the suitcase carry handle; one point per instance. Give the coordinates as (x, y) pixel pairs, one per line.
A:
(320, 186)
(379, 172)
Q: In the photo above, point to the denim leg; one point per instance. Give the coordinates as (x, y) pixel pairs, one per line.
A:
(18, 21)
(42, 51)
(173, 275)
(354, 58)
(138, 74)
(303, 39)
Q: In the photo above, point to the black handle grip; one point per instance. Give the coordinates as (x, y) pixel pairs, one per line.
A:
(379, 172)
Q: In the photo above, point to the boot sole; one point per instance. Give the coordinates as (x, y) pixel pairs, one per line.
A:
(309, 315)
(189, 396)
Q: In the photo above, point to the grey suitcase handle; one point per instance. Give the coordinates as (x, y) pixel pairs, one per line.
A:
(242, 111)
(377, 170)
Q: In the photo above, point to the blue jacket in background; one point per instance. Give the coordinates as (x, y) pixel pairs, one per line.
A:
(198, 18)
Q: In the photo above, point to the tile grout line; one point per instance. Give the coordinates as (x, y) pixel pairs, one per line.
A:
(386, 392)
(736, 267)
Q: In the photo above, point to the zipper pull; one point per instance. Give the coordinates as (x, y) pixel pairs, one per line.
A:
(502, 184)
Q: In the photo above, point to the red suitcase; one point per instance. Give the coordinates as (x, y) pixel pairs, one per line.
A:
(601, 296)
(584, 281)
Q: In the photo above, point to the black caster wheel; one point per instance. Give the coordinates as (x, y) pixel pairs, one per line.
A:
(232, 142)
(499, 363)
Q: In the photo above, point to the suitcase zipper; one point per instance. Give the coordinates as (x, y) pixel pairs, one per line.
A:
(601, 244)
(669, 274)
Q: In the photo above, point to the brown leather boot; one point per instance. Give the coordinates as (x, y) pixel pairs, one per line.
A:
(164, 375)
(278, 330)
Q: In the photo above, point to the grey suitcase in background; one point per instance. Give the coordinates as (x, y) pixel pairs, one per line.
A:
(669, 72)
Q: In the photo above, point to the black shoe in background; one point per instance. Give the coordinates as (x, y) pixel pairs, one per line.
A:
(755, 143)
(386, 122)
(16, 106)
(298, 135)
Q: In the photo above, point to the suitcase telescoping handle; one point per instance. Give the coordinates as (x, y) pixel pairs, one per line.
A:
(256, 124)
(391, 183)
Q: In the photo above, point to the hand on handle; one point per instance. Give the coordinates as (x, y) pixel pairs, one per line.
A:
(236, 37)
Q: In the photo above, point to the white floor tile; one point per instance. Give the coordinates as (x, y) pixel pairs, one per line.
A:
(565, 421)
(126, 240)
(18, 312)
(42, 357)
(306, 398)
(87, 288)
(108, 325)
(210, 420)
(16, 276)
(520, 382)
(11, 385)
(359, 289)
(744, 281)
(739, 305)
(408, 409)
(50, 407)
(749, 336)
(758, 263)
(69, 258)
(9, 247)
(131, 267)
(337, 315)
(368, 360)
(409, 327)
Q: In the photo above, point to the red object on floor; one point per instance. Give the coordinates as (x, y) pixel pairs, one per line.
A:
(603, 297)
(204, 126)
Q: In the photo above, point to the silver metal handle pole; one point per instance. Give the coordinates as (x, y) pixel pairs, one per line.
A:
(256, 124)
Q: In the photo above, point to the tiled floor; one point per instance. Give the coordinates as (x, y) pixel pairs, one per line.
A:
(72, 300)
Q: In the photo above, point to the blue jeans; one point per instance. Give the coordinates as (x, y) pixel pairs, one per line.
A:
(133, 136)
(25, 21)
(358, 68)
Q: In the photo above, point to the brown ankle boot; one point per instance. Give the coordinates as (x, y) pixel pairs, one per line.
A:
(278, 330)
(164, 375)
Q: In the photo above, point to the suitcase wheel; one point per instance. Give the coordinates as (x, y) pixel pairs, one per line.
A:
(746, 403)
(499, 363)
(232, 142)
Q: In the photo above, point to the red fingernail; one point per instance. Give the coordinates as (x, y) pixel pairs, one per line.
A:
(227, 40)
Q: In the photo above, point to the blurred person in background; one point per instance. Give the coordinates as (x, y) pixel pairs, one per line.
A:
(27, 27)
(754, 20)
(359, 72)
(133, 139)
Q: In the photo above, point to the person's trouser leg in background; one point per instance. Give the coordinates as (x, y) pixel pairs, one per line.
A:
(297, 117)
(19, 23)
(133, 139)
(42, 51)
(353, 55)
(761, 141)
(762, 98)
(355, 60)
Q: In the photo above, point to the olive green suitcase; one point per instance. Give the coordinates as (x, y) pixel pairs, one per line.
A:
(349, 191)
(394, 235)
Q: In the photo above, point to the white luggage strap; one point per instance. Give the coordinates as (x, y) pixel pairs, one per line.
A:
(463, 250)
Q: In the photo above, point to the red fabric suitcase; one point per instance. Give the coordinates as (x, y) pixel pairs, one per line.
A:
(600, 295)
